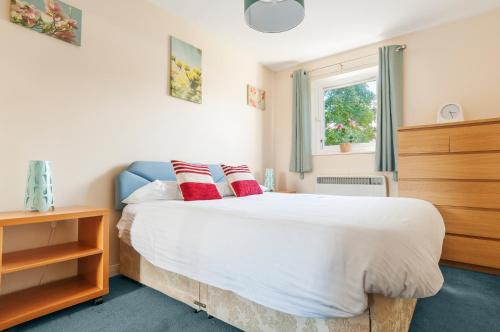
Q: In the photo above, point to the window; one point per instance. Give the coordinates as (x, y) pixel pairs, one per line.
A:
(344, 111)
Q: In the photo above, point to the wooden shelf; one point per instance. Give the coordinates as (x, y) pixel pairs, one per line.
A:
(59, 214)
(90, 251)
(32, 258)
(24, 305)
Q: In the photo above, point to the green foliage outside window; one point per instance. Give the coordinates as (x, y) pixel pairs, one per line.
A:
(350, 114)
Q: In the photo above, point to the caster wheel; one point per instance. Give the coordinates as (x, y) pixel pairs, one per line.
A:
(196, 311)
(210, 317)
(98, 301)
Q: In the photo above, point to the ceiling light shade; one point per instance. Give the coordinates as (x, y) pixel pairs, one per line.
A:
(274, 15)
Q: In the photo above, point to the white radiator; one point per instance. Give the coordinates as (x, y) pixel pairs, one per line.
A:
(352, 185)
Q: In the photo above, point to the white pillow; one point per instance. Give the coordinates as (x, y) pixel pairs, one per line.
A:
(224, 189)
(157, 190)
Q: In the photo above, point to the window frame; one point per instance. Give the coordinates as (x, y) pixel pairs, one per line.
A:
(336, 81)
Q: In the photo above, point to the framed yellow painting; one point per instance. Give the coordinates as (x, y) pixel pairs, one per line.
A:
(185, 71)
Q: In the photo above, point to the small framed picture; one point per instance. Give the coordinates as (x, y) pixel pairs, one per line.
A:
(256, 97)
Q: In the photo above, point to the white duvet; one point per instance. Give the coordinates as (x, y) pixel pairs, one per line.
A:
(306, 255)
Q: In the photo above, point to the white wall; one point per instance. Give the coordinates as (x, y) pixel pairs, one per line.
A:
(456, 62)
(92, 110)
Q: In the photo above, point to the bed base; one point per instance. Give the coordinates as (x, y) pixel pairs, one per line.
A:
(384, 314)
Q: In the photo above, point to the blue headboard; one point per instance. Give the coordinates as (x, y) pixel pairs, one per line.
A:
(140, 173)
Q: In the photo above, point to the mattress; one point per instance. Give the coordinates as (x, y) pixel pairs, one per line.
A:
(305, 255)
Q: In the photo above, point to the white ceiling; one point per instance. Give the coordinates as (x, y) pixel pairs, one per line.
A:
(330, 26)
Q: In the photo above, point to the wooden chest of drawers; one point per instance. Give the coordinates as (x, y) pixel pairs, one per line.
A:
(457, 167)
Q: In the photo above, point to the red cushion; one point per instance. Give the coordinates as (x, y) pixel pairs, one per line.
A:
(241, 180)
(195, 182)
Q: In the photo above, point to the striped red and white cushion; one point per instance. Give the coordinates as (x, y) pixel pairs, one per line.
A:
(241, 180)
(195, 181)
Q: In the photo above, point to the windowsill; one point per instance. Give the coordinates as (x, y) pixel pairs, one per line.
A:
(361, 148)
(337, 153)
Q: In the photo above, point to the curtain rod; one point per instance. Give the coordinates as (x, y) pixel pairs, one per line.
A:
(341, 64)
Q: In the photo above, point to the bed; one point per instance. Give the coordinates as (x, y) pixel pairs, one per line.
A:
(281, 262)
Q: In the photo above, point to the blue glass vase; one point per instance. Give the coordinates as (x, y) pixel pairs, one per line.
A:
(39, 195)
(269, 179)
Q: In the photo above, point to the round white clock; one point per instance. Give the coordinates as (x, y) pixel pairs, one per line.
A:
(450, 113)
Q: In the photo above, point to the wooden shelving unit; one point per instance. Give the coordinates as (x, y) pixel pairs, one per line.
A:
(32, 258)
(90, 251)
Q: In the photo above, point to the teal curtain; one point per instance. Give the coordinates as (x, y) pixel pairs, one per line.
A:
(301, 161)
(390, 107)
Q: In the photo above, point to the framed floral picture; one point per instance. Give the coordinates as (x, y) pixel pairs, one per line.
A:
(51, 17)
(185, 71)
(256, 97)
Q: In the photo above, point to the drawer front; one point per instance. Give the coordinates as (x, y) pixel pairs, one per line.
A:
(454, 193)
(472, 222)
(475, 138)
(423, 141)
(478, 166)
(472, 251)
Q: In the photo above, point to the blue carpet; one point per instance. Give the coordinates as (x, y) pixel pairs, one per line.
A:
(129, 307)
(469, 301)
